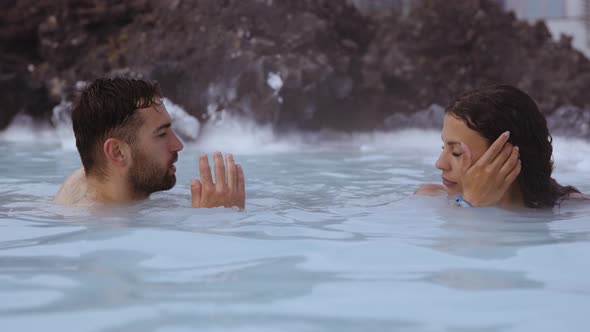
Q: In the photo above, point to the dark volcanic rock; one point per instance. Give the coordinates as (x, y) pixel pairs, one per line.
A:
(440, 50)
(233, 47)
(307, 64)
(45, 44)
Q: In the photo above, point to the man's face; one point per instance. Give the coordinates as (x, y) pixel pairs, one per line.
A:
(154, 153)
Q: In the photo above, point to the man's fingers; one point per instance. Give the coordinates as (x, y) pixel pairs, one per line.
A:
(205, 171)
(232, 173)
(206, 194)
(219, 170)
(241, 185)
(196, 192)
(465, 158)
(494, 149)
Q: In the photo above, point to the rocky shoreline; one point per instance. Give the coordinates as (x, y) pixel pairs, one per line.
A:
(298, 64)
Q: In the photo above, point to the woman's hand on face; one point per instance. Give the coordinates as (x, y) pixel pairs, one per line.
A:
(485, 182)
(228, 189)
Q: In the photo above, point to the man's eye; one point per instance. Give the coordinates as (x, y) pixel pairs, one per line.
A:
(457, 154)
(162, 134)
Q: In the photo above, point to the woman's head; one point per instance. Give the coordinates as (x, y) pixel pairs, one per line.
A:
(477, 118)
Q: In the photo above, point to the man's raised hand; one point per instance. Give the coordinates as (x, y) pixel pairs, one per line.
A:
(228, 189)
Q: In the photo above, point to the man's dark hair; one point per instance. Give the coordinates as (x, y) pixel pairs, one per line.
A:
(105, 108)
(495, 109)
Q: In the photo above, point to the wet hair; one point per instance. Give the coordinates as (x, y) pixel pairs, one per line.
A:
(495, 109)
(106, 108)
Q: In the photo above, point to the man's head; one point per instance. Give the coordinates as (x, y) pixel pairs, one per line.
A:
(122, 128)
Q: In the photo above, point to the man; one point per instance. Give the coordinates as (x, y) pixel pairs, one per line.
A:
(128, 149)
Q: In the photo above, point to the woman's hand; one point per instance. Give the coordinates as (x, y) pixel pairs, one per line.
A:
(485, 182)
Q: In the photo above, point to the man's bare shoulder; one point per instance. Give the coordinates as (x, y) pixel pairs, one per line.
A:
(74, 190)
(431, 190)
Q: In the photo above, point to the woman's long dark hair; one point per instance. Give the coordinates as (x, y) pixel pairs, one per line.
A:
(498, 108)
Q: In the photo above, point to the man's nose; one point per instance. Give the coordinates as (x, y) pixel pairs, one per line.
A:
(176, 144)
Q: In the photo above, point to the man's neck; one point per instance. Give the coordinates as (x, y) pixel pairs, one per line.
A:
(113, 190)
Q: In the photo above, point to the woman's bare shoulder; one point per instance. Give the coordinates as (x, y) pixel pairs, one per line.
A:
(578, 196)
(431, 190)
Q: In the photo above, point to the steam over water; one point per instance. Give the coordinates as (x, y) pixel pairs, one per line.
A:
(332, 239)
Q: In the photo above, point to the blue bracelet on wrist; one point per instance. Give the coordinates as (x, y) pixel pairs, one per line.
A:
(459, 201)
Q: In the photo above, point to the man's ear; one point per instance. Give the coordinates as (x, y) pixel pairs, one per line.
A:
(117, 152)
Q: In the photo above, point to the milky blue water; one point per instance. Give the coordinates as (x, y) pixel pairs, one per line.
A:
(332, 239)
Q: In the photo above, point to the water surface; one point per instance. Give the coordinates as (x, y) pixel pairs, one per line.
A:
(332, 239)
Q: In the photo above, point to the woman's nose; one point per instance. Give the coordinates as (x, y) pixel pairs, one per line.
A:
(441, 163)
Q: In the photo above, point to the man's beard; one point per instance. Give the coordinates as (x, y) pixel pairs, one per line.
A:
(146, 176)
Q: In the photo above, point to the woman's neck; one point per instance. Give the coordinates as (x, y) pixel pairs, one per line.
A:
(512, 198)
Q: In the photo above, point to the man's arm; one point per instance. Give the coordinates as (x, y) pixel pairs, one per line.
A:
(73, 190)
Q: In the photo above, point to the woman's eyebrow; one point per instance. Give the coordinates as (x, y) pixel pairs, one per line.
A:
(450, 142)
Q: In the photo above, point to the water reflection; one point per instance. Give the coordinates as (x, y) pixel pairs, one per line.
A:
(480, 279)
(498, 234)
(119, 278)
(268, 322)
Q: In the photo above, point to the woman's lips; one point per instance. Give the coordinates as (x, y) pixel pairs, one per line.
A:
(448, 183)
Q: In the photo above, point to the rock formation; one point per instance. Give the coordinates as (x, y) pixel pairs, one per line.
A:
(305, 64)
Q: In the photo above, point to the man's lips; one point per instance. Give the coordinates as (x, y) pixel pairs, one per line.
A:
(172, 167)
(447, 182)
(174, 160)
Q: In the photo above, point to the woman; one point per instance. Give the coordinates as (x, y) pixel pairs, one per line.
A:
(478, 118)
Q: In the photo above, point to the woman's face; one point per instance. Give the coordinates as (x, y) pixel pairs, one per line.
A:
(452, 160)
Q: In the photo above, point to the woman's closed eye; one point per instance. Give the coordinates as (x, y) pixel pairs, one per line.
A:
(455, 154)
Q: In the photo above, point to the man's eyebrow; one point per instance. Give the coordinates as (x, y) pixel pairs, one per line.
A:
(164, 126)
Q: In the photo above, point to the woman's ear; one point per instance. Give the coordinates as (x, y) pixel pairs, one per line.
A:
(117, 152)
